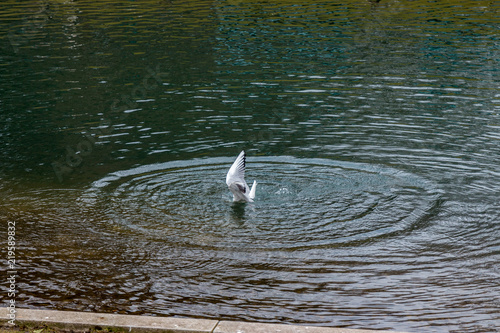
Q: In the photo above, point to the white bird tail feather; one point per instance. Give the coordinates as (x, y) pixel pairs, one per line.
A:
(251, 195)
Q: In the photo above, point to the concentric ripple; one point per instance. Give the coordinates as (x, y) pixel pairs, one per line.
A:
(300, 203)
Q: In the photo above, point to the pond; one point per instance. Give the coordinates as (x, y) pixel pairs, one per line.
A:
(371, 127)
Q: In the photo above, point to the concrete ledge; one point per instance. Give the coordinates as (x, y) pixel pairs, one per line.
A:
(85, 321)
(244, 327)
(73, 320)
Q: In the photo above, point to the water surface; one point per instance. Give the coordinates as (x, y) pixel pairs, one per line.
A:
(372, 129)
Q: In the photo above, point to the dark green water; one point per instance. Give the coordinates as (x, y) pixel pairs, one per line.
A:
(373, 130)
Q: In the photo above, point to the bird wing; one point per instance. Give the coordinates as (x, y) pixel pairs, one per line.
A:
(237, 171)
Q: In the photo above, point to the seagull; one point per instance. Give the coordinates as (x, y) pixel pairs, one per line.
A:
(236, 183)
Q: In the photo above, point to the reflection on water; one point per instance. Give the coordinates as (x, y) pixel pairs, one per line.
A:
(372, 128)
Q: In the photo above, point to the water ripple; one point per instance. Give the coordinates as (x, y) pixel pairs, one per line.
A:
(301, 203)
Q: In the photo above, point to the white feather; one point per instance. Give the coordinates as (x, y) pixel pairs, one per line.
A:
(235, 180)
